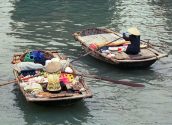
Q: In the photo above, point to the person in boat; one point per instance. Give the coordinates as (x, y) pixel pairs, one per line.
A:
(133, 36)
(53, 71)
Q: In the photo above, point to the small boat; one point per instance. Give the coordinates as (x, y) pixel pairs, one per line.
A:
(78, 89)
(108, 43)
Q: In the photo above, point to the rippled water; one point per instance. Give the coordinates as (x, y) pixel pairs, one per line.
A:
(45, 24)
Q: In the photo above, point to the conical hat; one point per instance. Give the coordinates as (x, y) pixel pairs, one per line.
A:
(52, 67)
(134, 31)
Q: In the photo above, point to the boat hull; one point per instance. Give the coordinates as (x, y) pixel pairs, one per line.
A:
(120, 64)
(95, 34)
(62, 98)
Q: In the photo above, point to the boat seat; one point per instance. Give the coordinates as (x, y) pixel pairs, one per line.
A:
(106, 37)
(144, 54)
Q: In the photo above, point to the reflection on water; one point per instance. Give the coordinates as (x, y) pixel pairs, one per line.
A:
(49, 25)
(51, 114)
(148, 16)
(43, 24)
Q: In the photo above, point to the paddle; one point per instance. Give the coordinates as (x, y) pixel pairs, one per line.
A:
(9, 82)
(96, 50)
(14, 81)
(127, 83)
(151, 44)
(122, 82)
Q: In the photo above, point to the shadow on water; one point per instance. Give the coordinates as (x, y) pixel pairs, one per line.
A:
(51, 114)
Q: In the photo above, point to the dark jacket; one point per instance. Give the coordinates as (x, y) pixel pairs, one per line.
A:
(134, 47)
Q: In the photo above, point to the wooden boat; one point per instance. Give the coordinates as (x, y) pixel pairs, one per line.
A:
(64, 97)
(147, 56)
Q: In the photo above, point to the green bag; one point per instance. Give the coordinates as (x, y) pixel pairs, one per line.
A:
(28, 58)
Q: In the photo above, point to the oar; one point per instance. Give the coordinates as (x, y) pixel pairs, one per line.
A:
(9, 82)
(96, 50)
(151, 44)
(14, 81)
(122, 82)
(127, 83)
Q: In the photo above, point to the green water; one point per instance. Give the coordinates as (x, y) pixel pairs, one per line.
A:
(49, 24)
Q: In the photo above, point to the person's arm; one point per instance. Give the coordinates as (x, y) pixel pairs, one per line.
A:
(126, 37)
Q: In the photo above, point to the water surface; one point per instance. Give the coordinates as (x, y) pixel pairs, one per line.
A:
(45, 24)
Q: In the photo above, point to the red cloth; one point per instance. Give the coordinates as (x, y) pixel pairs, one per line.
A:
(93, 46)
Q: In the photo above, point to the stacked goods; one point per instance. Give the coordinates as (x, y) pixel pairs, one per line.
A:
(44, 76)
